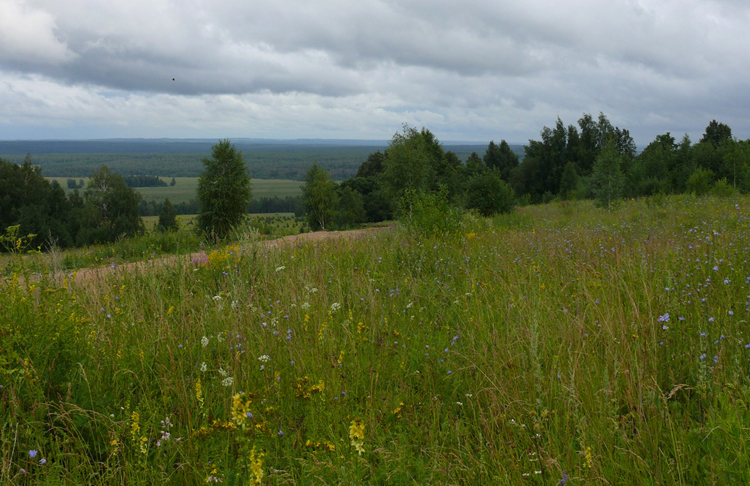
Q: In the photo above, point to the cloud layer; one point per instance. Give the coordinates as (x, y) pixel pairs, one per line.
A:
(333, 68)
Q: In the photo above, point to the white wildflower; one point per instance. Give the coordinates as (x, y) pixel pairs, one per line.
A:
(203, 367)
(227, 381)
(264, 359)
(204, 341)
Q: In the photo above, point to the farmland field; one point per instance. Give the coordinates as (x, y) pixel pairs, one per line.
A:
(560, 344)
(185, 189)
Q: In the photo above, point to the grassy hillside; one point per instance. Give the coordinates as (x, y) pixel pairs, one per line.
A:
(557, 345)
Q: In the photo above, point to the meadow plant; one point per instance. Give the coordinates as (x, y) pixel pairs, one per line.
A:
(544, 347)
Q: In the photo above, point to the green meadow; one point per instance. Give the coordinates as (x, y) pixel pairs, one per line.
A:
(560, 344)
(185, 189)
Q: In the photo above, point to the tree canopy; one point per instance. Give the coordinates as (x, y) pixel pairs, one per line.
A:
(223, 190)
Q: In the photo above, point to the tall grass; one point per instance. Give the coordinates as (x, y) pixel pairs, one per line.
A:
(559, 344)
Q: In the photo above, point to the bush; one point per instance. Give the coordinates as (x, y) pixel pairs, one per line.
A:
(722, 188)
(429, 214)
(699, 182)
(489, 194)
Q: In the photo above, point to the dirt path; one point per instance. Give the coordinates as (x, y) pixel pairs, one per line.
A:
(87, 275)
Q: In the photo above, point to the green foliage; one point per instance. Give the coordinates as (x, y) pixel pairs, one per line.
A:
(716, 134)
(110, 209)
(607, 178)
(569, 182)
(319, 197)
(429, 214)
(489, 194)
(700, 182)
(223, 190)
(373, 166)
(501, 157)
(167, 217)
(410, 163)
(721, 188)
(351, 209)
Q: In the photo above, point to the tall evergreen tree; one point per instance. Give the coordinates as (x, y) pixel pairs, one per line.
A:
(223, 190)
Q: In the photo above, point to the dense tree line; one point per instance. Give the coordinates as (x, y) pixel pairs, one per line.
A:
(591, 160)
(264, 205)
(144, 181)
(107, 209)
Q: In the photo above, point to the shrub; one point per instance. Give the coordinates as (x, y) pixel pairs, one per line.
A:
(429, 214)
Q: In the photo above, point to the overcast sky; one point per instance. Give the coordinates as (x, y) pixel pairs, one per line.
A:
(467, 70)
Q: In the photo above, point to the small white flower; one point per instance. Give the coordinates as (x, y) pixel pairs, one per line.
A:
(335, 307)
(234, 304)
(204, 341)
(220, 337)
(278, 269)
(217, 297)
(264, 359)
(222, 372)
(227, 381)
(203, 367)
(306, 305)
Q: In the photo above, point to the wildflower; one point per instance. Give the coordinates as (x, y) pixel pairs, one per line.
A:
(227, 381)
(664, 318)
(278, 269)
(256, 467)
(264, 359)
(199, 393)
(42, 461)
(203, 367)
(335, 307)
(564, 479)
(357, 435)
(588, 458)
(281, 433)
(32, 453)
(135, 427)
(204, 341)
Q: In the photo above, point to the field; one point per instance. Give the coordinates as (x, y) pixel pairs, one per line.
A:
(557, 345)
(185, 189)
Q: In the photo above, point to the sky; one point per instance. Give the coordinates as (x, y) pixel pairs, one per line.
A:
(474, 70)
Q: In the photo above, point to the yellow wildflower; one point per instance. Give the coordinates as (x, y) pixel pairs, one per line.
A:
(256, 467)
(199, 393)
(357, 435)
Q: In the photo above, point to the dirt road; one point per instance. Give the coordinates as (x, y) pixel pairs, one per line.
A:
(85, 275)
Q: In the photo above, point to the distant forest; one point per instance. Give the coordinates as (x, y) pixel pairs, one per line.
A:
(183, 159)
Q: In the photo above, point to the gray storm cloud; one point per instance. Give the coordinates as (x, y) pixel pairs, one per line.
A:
(473, 68)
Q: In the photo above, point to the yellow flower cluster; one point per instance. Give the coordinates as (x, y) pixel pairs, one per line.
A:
(135, 427)
(303, 391)
(256, 467)
(357, 435)
(199, 393)
(320, 445)
(240, 409)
